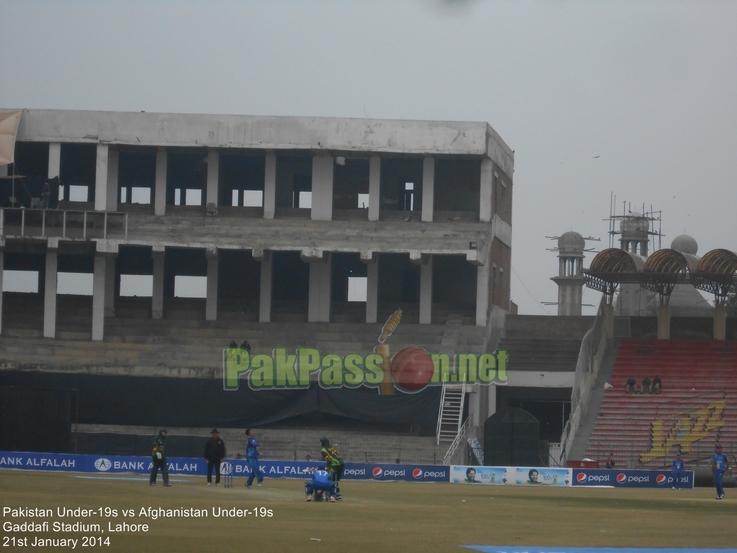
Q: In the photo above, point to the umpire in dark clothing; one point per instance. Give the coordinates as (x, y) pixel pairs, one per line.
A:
(214, 455)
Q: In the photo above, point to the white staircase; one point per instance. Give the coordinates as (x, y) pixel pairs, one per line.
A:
(450, 418)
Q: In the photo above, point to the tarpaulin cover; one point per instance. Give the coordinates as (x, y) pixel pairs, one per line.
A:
(194, 402)
(9, 121)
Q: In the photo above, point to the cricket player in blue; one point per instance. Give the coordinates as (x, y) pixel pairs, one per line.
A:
(252, 459)
(677, 469)
(323, 481)
(719, 465)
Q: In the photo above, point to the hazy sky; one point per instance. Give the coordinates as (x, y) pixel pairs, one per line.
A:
(650, 87)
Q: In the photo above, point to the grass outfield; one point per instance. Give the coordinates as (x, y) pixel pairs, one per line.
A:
(375, 516)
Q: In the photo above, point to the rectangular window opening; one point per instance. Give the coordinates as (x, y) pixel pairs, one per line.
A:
(140, 195)
(193, 196)
(78, 193)
(24, 282)
(132, 286)
(303, 199)
(357, 289)
(253, 198)
(363, 201)
(190, 286)
(74, 284)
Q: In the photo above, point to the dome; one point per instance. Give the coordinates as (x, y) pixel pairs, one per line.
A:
(571, 242)
(685, 244)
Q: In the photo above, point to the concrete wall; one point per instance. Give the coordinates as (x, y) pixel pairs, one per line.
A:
(546, 327)
(265, 132)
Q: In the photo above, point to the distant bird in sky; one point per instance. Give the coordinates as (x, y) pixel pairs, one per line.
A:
(597, 157)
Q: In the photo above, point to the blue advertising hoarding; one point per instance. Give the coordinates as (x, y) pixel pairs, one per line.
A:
(101, 464)
(198, 467)
(631, 478)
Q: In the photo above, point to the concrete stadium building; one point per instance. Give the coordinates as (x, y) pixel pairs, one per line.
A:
(138, 245)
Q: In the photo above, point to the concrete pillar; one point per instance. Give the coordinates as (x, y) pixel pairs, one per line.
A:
(2, 267)
(491, 400)
(426, 291)
(372, 289)
(482, 294)
(98, 297)
(270, 186)
(428, 189)
(211, 303)
(157, 294)
(664, 322)
(110, 286)
(160, 189)
(322, 188)
(486, 191)
(50, 291)
(319, 300)
(213, 172)
(474, 406)
(101, 174)
(54, 160)
(264, 304)
(113, 161)
(607, 312)
(374, 188)
(720, 323)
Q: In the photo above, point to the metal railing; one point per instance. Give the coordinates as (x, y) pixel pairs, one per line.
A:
(68, 224)
(456, 442)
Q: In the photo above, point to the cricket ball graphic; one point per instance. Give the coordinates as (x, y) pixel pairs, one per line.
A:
(412, 369)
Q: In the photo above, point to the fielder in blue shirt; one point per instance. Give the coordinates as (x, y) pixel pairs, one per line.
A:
(677, 468)
(322, 481)
(252, 459)
(719, 465)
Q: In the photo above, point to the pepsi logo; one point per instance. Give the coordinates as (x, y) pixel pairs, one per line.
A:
(377, 472)
(581, 477)
(661, 479)
(417, 473)
(621, 478)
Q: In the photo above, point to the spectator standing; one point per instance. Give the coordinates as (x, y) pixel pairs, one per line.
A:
(214, 455)
(677, 468)
(252, 459)
(610, 461)
(719, 465)
(45, 195)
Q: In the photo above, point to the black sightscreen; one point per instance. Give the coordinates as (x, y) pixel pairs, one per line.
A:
(34, 419)
(511, 439)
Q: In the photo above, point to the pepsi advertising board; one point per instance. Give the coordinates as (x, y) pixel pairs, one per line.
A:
(411, 473)
(631, 478)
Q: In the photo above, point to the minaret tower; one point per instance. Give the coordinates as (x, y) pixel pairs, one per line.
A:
(570, 279)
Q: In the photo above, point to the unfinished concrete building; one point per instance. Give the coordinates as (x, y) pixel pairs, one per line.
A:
(138, 245)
